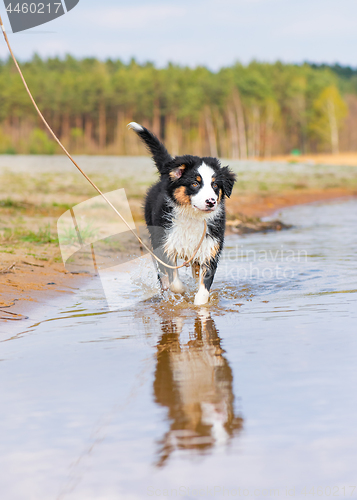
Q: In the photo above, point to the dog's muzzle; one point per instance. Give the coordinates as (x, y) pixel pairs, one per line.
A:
(210, 203)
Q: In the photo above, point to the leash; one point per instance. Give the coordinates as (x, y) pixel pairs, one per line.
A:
(186, 263)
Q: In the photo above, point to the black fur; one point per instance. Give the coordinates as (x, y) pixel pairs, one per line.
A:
(158, 151)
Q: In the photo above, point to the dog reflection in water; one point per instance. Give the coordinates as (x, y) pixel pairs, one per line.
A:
(194, 381)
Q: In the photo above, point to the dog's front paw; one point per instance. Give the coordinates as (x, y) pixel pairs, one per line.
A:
(177, 286)
(164, 283)
(201, 297)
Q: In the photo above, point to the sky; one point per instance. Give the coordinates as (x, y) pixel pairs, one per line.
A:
(213, 33)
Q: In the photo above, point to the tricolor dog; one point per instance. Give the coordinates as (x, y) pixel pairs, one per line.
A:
(189, 191)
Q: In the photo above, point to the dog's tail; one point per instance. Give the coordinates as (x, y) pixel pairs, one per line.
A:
(158, 151)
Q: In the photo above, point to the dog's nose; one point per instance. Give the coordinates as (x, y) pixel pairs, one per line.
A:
(210, 202)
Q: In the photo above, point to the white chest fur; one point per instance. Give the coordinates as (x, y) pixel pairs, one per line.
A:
(185, 234)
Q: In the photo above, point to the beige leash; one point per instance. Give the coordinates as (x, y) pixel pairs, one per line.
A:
(86, 176)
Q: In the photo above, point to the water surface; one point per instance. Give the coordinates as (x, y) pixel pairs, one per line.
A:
(251, 396)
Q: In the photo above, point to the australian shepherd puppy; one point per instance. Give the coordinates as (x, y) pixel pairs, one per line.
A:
(190, 190)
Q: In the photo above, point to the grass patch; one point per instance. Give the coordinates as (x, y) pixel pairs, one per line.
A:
(37, 256)
(42, 236)
(9, 203)
(64, 206)
(49, 209)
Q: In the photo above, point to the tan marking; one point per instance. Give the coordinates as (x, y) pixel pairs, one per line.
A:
(177, 172)
(181, 196)
(195, 270)
(219, 196)
(199, 178)
(214, 251)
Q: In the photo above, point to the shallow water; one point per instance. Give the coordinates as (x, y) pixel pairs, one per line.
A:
(251, 396)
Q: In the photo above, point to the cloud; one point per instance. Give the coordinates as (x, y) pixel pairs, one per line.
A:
(324, 23)
(209, 32)
(131, 17)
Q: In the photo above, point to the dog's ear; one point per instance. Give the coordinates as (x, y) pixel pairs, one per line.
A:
(177, 172)
(228, 180)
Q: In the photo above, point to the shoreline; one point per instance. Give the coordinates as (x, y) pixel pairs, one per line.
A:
(26, 282)
(256, 205)
(29, 283)
(346, 159)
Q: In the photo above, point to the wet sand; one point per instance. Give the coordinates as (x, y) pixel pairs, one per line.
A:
(25, 284)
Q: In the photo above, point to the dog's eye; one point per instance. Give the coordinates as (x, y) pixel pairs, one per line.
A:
(215, 185)
(195, 184)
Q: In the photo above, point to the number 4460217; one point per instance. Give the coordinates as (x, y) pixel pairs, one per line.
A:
(34, 8)
(334, 491)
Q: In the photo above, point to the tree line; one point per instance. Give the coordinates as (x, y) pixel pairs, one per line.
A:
(242, 111)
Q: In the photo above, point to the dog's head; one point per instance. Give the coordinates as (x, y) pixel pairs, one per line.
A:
(199, 182)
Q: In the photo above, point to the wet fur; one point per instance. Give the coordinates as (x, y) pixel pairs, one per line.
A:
(174, 223)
